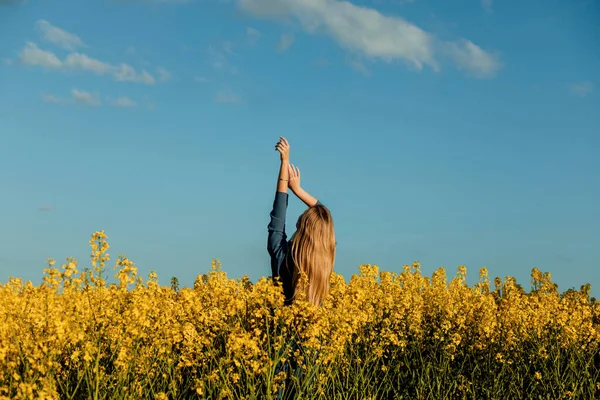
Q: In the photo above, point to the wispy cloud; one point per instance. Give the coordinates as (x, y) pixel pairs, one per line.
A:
(50, 98)
(228, 96)
(285, 42)
(32, 55)
(8, 62)
(46, 208)
(86, 98)
(358, 66)
(253, 35)
(228, 47)
(78, 61)
(126, 73)
(219, 60)
(163, 74)
(369, 33)
(58, 36)
(201, 79)
(582, 88)
(322, 62)
(487, 5)
(467, 55)
(124, 102)
(92, 99)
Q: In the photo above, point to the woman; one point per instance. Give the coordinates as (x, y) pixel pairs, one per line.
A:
(311, 250)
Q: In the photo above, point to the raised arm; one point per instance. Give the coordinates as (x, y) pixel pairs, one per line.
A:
(283, 147)
(294, 185)
(277, 239)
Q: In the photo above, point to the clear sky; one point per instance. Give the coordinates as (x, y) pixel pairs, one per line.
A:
(455, 132)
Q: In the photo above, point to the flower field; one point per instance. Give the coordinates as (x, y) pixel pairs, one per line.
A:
(381, 335)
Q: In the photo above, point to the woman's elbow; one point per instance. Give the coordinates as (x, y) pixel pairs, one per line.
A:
(272, 246)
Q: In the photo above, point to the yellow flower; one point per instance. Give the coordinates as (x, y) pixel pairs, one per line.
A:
(229, 334)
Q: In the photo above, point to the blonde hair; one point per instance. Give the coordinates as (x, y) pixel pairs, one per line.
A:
(313, 252)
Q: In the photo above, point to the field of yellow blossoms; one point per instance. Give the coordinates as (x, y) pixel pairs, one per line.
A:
(381, 336)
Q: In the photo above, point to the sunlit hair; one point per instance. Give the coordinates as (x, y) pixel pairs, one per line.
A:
(313, 252)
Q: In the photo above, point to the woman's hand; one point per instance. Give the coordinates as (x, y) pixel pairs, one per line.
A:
(283, 147)
(294, 183)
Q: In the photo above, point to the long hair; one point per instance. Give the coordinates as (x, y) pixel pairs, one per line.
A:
(313, 252)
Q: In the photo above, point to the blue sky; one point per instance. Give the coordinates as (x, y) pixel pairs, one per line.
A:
(459, 132)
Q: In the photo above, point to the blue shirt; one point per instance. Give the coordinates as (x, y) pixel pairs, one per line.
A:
(282, 265)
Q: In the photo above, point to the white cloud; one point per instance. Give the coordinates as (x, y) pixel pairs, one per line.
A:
(50, 98)
(358, 66)
(285, 42)
(582, 88)
(201, 79)
(358, 29)
(253, 35)
(163, 74)
(58, 36)
(126, 73)
(228, 47)
(369, 33)
(220, 61)
(32, 55)
(227, 96)
(487, 5)
(82, 62)
(124, 102)
(467, 55)
(87, 98)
